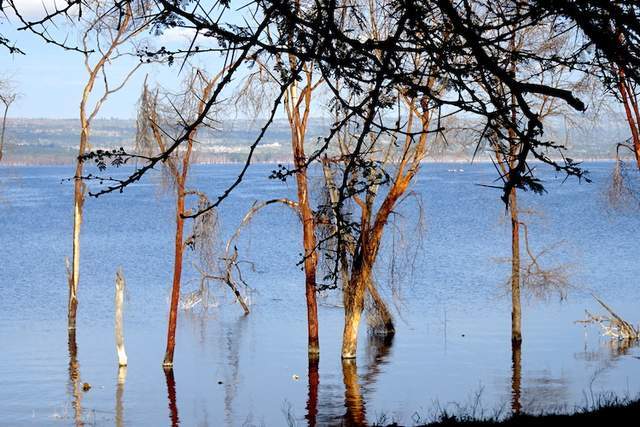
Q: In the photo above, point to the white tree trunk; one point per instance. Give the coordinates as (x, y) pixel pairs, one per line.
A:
(120, 285)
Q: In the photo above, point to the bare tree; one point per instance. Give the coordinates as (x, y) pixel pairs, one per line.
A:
(156, 125)
(507, 147)
(8, 96)
(108, 36)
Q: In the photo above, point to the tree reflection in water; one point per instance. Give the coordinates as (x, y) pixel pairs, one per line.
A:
(171, 393)
(232, 337)
(330, 410)
(314, 384)
(516, 377)
(122, 377)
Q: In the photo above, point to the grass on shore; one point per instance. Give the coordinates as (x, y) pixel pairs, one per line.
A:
(605, 412)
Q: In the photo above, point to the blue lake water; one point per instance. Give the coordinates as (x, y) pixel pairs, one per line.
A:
(450, 304)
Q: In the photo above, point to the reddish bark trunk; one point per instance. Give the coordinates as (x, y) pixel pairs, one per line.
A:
(628, 101)
(298, 129)
(177, 273)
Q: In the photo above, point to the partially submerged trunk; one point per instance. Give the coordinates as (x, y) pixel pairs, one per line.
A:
(298, 123)
(371, 233)
(74, 377)
(177, 274)
(78, 204)
(117, 38)
(119, 302)
(516, 308)
(381, 311)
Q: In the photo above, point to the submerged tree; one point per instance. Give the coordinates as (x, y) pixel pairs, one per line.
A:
(463, 43)
(157, 122)
(108, 36)
(8, 96)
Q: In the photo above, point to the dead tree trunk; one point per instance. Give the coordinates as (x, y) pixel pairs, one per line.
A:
(119, 302)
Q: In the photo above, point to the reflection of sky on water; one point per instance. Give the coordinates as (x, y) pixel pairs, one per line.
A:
(452, 335)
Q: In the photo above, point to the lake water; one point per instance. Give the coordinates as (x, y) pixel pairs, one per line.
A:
(452, 346)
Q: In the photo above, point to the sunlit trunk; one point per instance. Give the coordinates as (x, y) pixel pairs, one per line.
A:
(354, 295)
(177, 274)
(119, 302)
(379, 304)
(78, 203)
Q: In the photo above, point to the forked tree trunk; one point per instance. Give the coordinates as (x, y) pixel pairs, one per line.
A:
(516, 309)
(378, 303)
(177, 274)
(119, 302)
(364, 260)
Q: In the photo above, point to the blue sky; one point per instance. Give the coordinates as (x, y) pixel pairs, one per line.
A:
(50, 80)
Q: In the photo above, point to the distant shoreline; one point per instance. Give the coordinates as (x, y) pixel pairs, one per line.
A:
(428, 161)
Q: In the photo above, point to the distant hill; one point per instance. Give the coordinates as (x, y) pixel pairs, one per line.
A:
(55, 141)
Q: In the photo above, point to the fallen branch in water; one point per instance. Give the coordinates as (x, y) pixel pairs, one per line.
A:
(613, 325)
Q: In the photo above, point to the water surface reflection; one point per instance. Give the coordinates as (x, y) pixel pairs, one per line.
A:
(171, 394)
